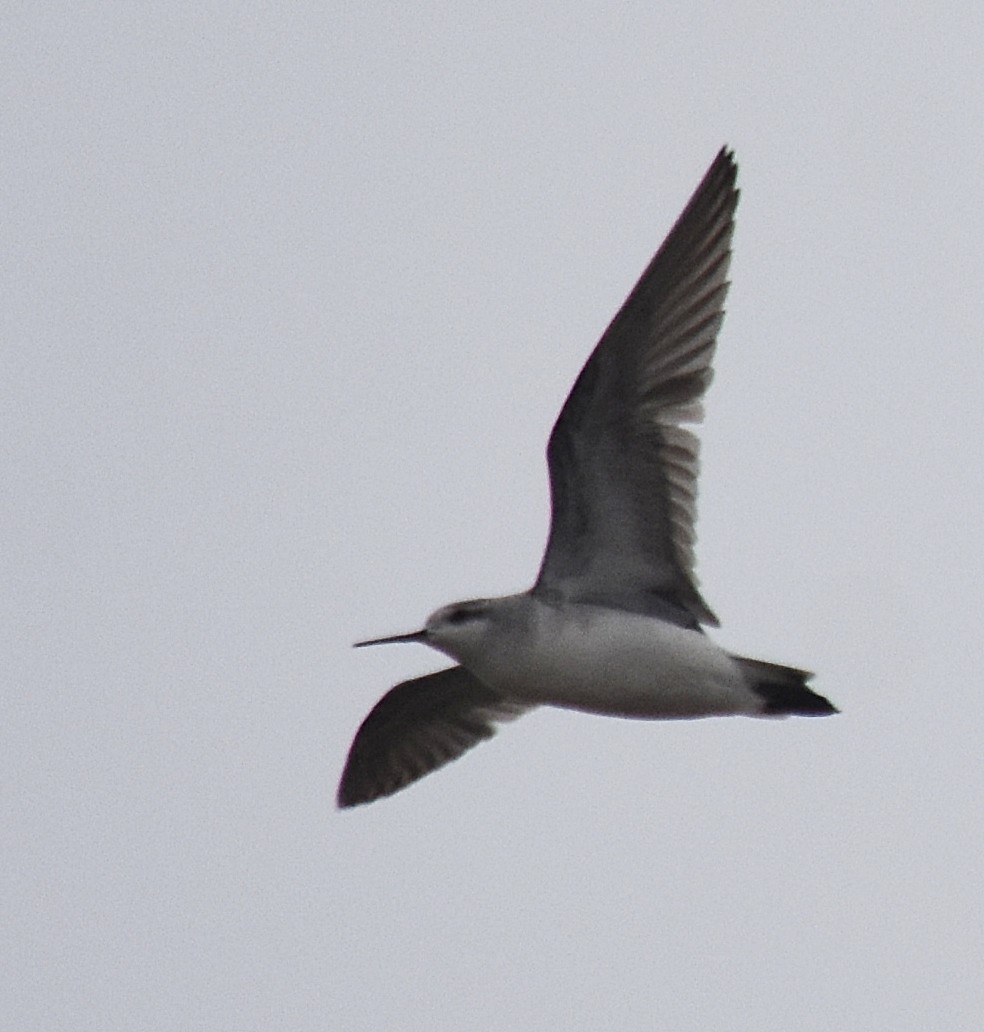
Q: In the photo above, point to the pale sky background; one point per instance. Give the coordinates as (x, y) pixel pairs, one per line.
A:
(291, 298)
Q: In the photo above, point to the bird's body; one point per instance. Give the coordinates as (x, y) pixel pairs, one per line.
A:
(596, 659)
(613, 623)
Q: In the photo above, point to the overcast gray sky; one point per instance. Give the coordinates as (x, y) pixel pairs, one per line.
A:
(292, 296)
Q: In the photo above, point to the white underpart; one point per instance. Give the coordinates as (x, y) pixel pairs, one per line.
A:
(609, 662)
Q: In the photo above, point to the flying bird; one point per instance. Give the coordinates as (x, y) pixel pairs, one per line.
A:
(613, 624)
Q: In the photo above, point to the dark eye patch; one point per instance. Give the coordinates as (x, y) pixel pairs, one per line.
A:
(460, 616)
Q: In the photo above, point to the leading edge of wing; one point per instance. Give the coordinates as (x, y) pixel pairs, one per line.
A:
(623, 470)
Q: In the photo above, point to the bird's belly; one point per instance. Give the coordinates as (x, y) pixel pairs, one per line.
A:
(626, 665)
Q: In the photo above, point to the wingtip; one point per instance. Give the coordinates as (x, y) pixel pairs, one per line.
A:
(723, 169)
(343, 801)
(357, 790)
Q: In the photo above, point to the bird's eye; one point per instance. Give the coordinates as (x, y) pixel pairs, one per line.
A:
(461, 616)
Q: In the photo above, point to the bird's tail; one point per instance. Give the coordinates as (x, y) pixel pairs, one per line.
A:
(784, 689)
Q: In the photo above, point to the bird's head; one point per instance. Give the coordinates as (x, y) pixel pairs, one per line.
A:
(454, 630)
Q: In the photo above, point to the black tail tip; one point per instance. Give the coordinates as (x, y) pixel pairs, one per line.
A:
(783, 690)
(794, 700)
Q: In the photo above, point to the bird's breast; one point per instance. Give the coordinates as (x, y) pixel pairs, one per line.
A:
(616, 663)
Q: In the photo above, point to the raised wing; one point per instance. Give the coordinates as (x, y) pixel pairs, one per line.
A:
(623, 470)
(417, 727)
